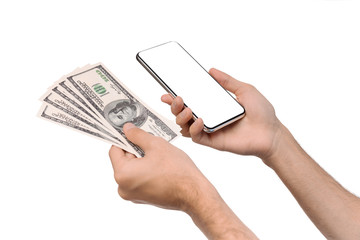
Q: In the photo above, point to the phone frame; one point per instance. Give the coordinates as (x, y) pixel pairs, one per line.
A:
(168, 89)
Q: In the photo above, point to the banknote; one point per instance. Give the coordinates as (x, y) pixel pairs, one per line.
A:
(62, 104)
(52, 114)
(66, 95)
(117, 105)
(93, 101)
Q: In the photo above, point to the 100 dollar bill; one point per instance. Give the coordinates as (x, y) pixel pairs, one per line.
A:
(116, 105)
(67, 108)
(53, 114)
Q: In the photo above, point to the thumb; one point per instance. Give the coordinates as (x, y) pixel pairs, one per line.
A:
(226, 81)
(138, 136)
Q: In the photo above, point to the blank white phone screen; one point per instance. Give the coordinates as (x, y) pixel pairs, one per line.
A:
(184, 77)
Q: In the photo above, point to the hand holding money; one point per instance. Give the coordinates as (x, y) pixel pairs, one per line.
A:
(143, 181)
(92, 100)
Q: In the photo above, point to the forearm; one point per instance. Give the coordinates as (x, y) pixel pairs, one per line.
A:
(334, 210)
(215, 219)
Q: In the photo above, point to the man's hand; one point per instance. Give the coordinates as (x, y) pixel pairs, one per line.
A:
(166, 177)
(260, 133)
(255, 134)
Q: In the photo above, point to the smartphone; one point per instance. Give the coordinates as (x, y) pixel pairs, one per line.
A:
(181, 75)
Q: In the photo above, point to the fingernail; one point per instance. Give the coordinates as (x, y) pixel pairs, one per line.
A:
(128, 126)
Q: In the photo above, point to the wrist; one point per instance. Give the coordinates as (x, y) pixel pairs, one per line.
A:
(284, 145)
(214, 218)
(197, 196)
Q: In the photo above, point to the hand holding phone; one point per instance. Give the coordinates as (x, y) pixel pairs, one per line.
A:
(181, 75)
(253, 135)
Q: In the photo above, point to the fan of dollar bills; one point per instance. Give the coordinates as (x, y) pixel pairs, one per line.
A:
(93, 101)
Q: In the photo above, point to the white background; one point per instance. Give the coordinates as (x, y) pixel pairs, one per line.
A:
(304, 56)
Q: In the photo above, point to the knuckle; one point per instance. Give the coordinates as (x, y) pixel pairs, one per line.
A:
(110, 151)
(183, 117)
(122, 180)
(174, 104)
(250, 87)
(195, 140)
(124, 194)
(178, 120)
(117, 177)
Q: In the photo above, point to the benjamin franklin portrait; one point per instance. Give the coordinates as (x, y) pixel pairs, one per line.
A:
(119, 112)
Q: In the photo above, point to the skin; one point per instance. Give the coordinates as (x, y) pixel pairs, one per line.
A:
(180, 185)
(255, 134)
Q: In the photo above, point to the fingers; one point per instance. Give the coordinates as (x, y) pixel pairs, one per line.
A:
(118, 157)
(177, 105)
(225, 80)
(184, 117)
(138, 136)
(167, 98)
(197, 134)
